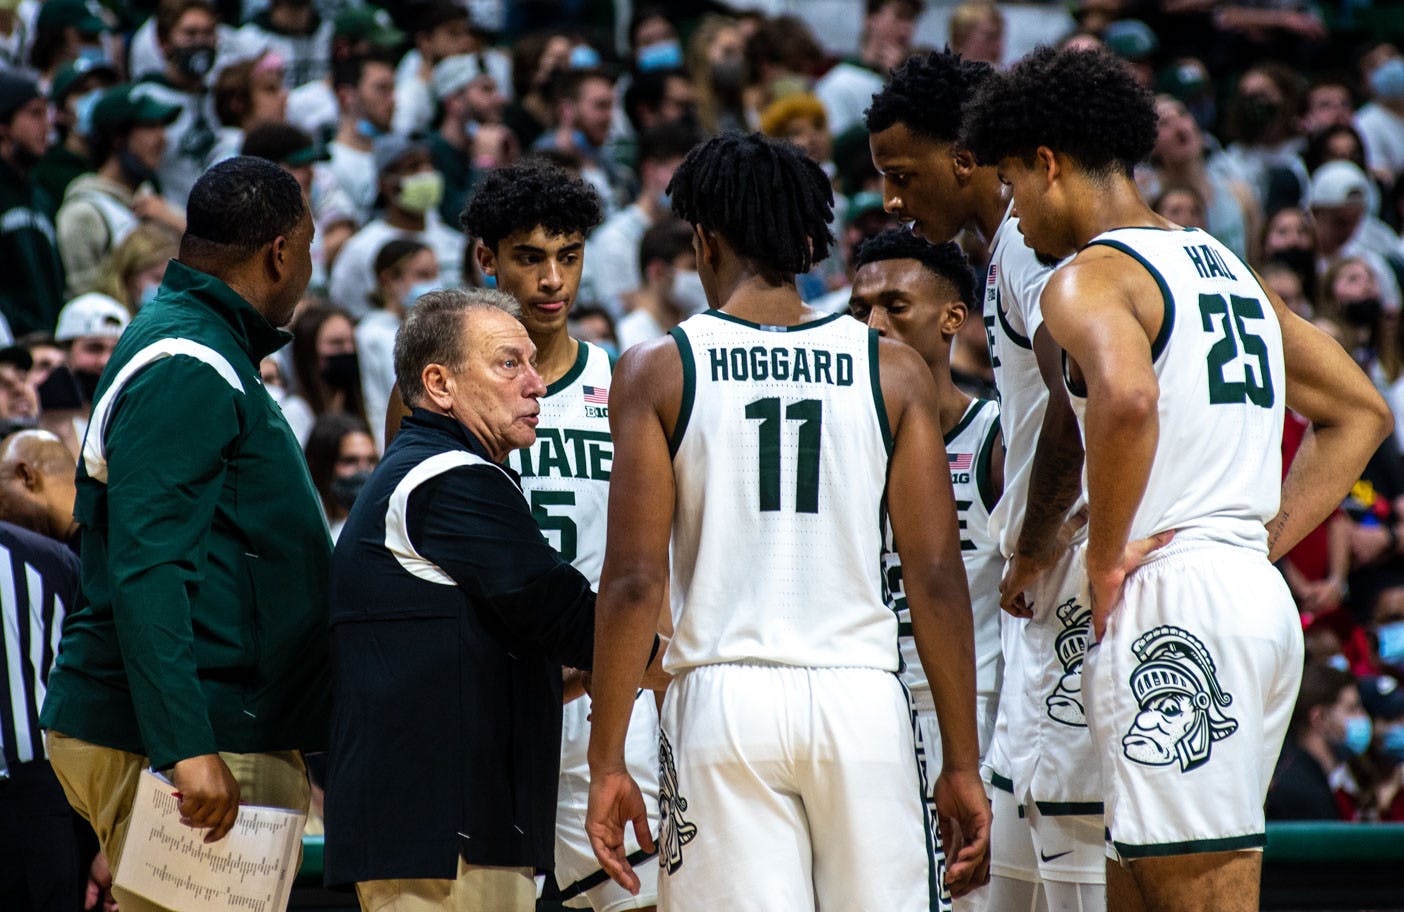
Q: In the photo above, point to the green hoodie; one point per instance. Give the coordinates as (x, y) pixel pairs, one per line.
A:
(202, 623)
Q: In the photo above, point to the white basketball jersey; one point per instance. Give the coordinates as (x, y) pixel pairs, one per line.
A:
(968, 449)
(1013, 285)
(780, 456)
(565, 473)
(1217, 473)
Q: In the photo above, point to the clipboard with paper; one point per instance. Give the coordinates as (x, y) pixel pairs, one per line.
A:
(252, 868)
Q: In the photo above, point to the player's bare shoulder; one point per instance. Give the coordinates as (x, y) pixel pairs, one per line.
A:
(651, 373)
(905, 378)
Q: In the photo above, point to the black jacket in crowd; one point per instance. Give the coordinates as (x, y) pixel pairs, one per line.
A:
(451, 618)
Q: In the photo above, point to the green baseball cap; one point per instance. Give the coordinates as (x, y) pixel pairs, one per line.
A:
(128, 105)
(860, 204)
(84, 15)
(70, 74)
(370, 24)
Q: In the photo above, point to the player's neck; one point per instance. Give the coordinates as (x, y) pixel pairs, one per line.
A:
(555, 354)
(751, 297)
(1101, 207)
(990, 207)
(951, 402)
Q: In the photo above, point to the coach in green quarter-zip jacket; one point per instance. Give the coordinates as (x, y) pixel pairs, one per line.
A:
(199, 644)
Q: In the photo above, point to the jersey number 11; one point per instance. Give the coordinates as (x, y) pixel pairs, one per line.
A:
(810, 414)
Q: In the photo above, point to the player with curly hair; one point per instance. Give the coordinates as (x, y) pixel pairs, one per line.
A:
(1047, 833)
(761, 440)
(1179, 362)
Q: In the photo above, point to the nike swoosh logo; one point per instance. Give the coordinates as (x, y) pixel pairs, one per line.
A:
(1053, 857)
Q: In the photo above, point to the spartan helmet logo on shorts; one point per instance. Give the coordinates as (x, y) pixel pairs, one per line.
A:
(1181, 702)
(676, 831)
(1065, 702)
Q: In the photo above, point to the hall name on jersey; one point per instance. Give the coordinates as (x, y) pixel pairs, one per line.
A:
(1209, 263)
(798, 365)
(568, 453)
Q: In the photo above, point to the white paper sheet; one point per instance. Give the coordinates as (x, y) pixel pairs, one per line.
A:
(250, 869)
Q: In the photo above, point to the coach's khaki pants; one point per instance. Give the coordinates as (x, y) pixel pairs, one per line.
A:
(101, 784)
(477, 888)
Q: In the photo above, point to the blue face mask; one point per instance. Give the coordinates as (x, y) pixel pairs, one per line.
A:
(1339, 662)
(419, 290)
(1391, 637)
(83, 107)
(368, 129)
(584, 57)
(1388, 79)
(489, 281)
(1392, 744)
(661, 55)
(1358, 732)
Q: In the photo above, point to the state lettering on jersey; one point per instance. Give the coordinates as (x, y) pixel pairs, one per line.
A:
(797, 365)
(569, 453)
(992, 305)
(1176, 686)
(1208, 263)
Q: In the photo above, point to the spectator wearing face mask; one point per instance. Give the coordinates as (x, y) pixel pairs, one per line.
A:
(1384, 701)
(31, 274)
(74, 93)
(100, 209)
(1261, 124)
(404, 270)
(584, 98)
(136, 267)
(411, 190)
(89, 327)
(340, 458)
(613, 270)
(469, 136)
(296, 33)
(536, 59)
(365, 93)
(187, 32)
(357, 32)
(1328, 726)
(1381, 120)
(324, 359)
(65, 31)
(440, 29)
(1339, 198)
(672, 290)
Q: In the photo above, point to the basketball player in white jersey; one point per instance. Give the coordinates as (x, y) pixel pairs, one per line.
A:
(1047, 834)
(920, 293)
(1180, 363)
(761, 438)
(532, 220)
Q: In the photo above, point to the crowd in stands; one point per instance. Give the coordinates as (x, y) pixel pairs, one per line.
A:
(1281, 133)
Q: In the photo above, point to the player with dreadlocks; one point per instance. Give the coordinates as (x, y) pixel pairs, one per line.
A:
(760, 439)
(1179, 363)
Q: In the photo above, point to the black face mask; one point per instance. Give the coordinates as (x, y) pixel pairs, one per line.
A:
(1364, 313)
(87, 384)
(60, 391)
(136, 171)
(194, 61)
(345, 490)
(342, 371)
(1257, 115)
(729, 75)
(1300, 260)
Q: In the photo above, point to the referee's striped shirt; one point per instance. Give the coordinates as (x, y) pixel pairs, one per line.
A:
(38, 584)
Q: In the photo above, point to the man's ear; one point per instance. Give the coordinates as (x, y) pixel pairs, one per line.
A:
(1047, 160)
(707, 246)
(437, 385)
(29, 476)
(487, 259)
(954, 318)
(963, 164)
(278, 263)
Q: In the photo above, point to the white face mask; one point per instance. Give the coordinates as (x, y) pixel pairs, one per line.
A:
(687, 292)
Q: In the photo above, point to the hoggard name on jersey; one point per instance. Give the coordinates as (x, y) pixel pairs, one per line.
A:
(795, 364)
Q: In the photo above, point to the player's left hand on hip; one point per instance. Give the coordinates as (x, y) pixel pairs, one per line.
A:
(615, 802)
(1106, 585)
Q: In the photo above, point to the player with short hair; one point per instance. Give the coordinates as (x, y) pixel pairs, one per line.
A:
(1180, 364)
(920, 293)
(762, 440)
(1047, 807)
(531, 220)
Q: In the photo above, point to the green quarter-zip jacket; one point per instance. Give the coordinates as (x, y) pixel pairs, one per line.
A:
(202, 624)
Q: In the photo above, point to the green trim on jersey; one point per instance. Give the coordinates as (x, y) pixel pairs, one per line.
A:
(689, 390)
(798, 327)
(1192, 846)
(976, 405)
(1003, 783)
(582, 357)
(1014, 336)
(982, 468)
(1069, 808)
(613, 357)
(1162, 338)
(875, 375)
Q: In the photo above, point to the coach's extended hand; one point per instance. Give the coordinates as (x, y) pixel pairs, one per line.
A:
(964, 813)
(615, 800)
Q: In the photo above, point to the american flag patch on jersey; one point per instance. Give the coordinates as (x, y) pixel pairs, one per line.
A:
(993, 274)
(960, 462)
(596, 395)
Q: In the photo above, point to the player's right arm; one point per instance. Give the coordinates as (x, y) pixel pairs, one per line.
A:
(646, 392)
(921, 508)
(1349, 419)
